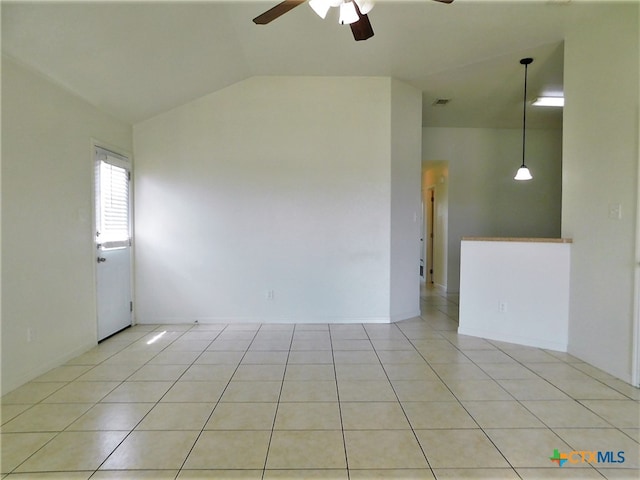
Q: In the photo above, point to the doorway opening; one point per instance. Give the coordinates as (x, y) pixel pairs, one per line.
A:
(435, 199)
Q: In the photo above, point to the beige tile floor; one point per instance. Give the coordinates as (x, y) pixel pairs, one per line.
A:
(411, 400)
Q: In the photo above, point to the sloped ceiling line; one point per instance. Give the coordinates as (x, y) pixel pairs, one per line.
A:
(136, 60)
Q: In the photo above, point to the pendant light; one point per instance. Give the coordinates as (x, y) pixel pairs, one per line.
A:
(523, 171)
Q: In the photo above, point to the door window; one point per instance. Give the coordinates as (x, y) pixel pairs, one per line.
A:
(112, 197)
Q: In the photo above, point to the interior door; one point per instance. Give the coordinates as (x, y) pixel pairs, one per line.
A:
(113, 242)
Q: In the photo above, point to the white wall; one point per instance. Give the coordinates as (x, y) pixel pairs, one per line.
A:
(516, 292)
(273, 184)
(48, 282)
(406, 141)
(483, 198)
(600, 169)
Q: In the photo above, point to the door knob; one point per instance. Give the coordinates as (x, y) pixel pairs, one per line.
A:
(101, 259)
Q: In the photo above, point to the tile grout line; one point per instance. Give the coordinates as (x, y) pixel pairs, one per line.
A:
(58, 433)
(520, 402)
(458, 400)
(275, 416)
(204, 425)
(157, 402)
(539, 376)
(415, 435)
(335, 377)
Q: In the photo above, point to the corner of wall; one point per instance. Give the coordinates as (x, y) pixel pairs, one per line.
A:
(600, 169)
(405, 210)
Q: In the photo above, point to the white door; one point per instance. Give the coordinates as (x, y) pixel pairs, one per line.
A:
(113, 242)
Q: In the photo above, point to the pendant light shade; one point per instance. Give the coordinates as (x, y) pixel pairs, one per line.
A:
(523, 172)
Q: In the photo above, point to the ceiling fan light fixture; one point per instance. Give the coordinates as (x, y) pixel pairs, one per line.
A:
(348, 13)
(365, 6)
(352, 13)
(321, 7)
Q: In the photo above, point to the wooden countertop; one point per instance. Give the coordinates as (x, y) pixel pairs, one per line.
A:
(515, 239)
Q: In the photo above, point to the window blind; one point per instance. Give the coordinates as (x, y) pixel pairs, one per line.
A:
(112, 184)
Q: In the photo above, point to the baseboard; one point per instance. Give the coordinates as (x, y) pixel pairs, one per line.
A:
(440, 289)
(405, 316)
(240, 320)
(517, 339)
(42, 369)
(625, 376)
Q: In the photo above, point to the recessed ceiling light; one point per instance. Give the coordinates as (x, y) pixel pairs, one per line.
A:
(549, 102)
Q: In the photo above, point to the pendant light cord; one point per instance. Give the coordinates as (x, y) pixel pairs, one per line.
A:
(524, 112)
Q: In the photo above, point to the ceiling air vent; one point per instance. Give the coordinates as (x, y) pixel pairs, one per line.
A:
(441, 102)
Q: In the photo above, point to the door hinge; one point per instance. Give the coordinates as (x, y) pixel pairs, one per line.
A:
(131, 307)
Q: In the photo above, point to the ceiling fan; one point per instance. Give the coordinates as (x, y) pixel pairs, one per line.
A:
(352, 12)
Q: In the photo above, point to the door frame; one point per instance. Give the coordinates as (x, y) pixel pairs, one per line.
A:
(423, 240)
(429, 233)
(635, 354)
(97, 143)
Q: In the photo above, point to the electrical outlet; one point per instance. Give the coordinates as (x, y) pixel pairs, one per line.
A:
(615, 211)
(270, 294)
(502, 307)
(30, 334)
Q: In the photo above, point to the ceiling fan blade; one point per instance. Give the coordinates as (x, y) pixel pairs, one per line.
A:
(361, 29)
(275, 12)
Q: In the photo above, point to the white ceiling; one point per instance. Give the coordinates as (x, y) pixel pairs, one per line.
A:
(137, 59)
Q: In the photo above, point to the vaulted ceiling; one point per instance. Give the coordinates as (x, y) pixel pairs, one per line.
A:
(137, 59)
